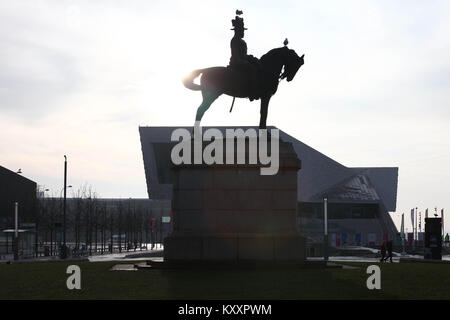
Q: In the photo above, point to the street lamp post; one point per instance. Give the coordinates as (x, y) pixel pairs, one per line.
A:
(403, 235)
(325, 235)
(63, 201)
(64, 253)
(16, 231)
(414, 229)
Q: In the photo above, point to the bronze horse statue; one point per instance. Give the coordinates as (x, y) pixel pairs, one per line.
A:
(225, 80)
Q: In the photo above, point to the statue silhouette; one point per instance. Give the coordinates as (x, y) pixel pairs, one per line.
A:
(240, 60)
(246, 76)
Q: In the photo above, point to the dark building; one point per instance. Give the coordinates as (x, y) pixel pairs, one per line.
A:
(16, 188)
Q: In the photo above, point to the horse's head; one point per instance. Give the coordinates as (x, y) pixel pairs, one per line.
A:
(292, 62)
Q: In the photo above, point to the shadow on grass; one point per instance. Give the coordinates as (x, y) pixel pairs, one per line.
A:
(285, 283)
(48, 281)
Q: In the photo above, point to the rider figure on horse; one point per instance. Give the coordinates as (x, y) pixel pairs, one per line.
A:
(241, 60)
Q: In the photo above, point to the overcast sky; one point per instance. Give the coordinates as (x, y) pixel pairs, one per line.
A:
(79, 77)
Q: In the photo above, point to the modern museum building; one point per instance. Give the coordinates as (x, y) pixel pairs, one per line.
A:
(359, 199)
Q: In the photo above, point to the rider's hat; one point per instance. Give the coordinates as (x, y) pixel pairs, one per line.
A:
(238, 22)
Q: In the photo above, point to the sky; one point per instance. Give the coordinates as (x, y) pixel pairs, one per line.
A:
(78, 78)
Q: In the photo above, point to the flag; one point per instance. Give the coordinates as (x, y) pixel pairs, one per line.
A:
(412, 218)
(420, 221)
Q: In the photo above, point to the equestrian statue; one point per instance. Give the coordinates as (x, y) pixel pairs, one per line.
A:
(245, 76)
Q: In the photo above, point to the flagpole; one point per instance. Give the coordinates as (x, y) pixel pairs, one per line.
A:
(415, 222)
(420, 223)
(325, 236)
(16, 231)
(403, 234)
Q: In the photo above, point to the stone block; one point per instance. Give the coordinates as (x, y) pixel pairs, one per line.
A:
(256, 248)
(283, 221)
(190, 221)
(290, 248)
(284, 200)
(194, 178)
(254, 222)
(183, 248)
(219, 199)
(187, 199)
(219, 248)
(232, 212)
(226, 222)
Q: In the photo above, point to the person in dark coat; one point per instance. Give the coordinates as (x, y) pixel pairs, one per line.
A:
(239, 57)
(389, 250)
(383, 251)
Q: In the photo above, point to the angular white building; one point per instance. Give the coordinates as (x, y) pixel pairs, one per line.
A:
(359, 199)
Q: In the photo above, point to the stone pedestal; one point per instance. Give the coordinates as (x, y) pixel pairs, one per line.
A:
(230, 212)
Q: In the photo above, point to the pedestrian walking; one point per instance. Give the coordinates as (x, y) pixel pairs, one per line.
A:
(389, 250)
(383, 251)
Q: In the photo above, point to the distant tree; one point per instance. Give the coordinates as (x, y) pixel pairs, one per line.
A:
(120, 210)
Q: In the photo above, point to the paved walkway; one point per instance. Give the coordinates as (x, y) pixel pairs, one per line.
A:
(395, 259)
(157, 254)
(124, 256)
(127, 256)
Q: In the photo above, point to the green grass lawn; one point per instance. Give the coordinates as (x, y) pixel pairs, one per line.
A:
(398, 281)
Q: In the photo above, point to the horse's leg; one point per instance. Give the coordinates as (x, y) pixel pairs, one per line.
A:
(264, 106)
(208, 98)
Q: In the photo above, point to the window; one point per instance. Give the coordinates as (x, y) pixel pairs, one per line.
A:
(338, 210)
(357, 212)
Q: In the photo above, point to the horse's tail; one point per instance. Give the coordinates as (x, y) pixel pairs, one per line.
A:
(188, 80)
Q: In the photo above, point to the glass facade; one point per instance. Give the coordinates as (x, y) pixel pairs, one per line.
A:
(314, 210)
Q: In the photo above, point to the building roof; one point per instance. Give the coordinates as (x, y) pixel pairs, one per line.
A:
(356, 188)
(6, 173)
(320, 173)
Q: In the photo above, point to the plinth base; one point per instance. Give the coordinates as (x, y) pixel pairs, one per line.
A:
(234, 247)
